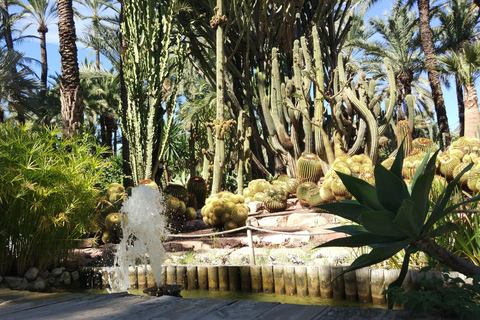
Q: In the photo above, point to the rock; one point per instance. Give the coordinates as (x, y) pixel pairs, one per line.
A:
(50, 280)
(75, 275)
(255, 206)
(299, 240)
(31, 274)
(65, 278)
(197, 223)
(39, 286)
(255, 239)
(276, 239)
(333, 256)
(16, 283)
(45, 274)
(313, 222)
(272, 221)
(295, 219)
(57, 271)
(1, 279)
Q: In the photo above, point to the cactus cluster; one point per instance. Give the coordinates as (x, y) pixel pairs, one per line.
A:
(306, 191)
(359, 165)
(179, 207)
(225, 210)
(256, 188)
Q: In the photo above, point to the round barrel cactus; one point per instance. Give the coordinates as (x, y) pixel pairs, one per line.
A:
(309, 168)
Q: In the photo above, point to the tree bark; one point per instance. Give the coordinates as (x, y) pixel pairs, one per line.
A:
(449, 259)
(71, 94)
(472, 114)
(461, 107)
(433, 75)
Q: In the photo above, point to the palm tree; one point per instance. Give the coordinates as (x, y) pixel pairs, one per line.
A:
(400, 44)
(465, 65)
(458, 24)
(96, 7)
(71, 95)
(433, 75)
(42, 13)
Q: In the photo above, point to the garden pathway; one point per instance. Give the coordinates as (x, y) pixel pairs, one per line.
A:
(27, 305)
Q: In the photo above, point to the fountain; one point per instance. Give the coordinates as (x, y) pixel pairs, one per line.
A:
(143, 228)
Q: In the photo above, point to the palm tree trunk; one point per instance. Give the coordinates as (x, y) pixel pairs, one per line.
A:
(461, 106)
(42, 32)
(433, 76)
(71, 94)
(472, 114)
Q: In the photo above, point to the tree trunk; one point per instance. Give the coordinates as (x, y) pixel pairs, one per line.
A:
(461, 107)
(449, 259)
(42, 32)
(472, 114)
(71, 94)
(433, 76)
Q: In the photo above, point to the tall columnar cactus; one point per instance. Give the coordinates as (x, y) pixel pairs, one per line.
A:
(198, 187)
(147, 29)
(404, 134)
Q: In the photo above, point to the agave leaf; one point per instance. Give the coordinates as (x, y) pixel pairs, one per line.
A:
(381, 223)
(360, 240)
(377, 255)
(401, 277)
(426, 165)
(431, 221)
(407, 220)
(349, 229)
(391, 190)
(397, 165)
(348, 210)
(420, 195)
(363, 192)
(439, 210)
(445, 228)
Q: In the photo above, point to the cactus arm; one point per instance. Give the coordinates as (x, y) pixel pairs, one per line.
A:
(362, 109)
(410, 100)
(390, 106)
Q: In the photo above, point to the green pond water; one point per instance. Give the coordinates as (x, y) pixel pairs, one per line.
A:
(262, 297)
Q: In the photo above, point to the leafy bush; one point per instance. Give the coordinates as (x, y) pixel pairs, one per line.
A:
(47, 197)
(448, 296)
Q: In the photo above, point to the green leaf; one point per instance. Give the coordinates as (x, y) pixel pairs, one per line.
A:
(397, 165)
(421, 195)
(391, 190)
(401, 277)
(381, 223)
(349, 229)
(439, 210)
(363, 192)
(443, 229)
(347, 210)
(426, 165)
(377, 255)
(360, 240)
(407, 220)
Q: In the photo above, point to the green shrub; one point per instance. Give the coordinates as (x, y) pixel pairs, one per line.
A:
(47, 198)
(447, 296)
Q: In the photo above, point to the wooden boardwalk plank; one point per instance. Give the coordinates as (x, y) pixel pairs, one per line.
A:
(174, 309)
(79, 308)
(293, 312)
(240, 310)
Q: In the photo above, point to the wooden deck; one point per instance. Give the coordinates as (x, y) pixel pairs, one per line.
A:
(28, 305)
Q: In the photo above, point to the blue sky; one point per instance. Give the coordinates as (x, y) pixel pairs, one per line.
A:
(32, 49)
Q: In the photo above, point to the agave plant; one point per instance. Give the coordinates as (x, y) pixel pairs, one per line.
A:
(392, 217)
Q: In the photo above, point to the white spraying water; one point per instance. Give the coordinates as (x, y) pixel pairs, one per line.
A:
(144, 227)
